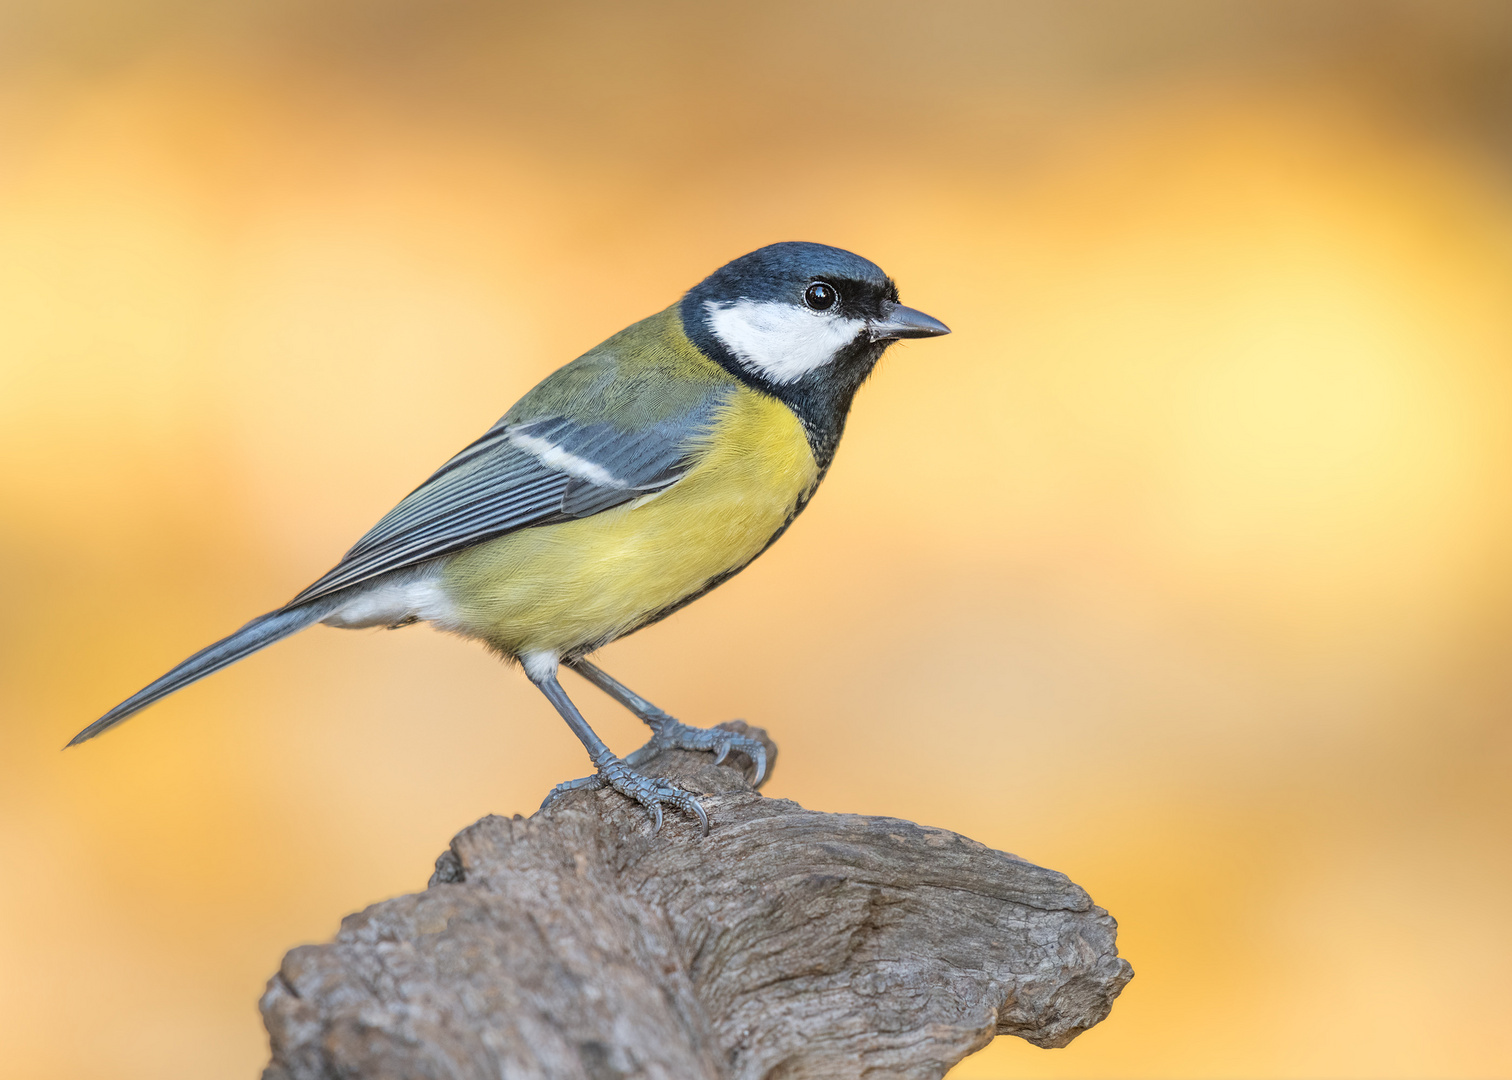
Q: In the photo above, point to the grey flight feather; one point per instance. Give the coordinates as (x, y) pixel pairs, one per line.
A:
(518, 475)
(491, 488)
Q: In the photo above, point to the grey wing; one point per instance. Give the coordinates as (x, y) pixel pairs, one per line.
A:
(516, 476)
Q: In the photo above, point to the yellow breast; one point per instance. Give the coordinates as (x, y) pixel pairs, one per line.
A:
(583, 583)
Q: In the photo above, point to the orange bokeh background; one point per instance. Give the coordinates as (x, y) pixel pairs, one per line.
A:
(1183, 566)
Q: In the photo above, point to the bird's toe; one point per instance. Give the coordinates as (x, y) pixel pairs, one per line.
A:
(679, 736)
(653, 794)
(580, 784)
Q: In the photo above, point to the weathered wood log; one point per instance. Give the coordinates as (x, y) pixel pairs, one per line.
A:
(786, 944)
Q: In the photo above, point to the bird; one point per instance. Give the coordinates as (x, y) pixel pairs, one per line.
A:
(627, 484)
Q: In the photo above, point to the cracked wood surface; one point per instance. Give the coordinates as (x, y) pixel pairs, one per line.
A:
(787, 944)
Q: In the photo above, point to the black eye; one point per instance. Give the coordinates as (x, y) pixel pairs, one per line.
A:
(820, 296)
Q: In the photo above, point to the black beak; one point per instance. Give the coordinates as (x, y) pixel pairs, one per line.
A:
(905, 322)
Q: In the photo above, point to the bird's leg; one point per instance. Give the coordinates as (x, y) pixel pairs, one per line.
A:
(612, 771)
(669, 733)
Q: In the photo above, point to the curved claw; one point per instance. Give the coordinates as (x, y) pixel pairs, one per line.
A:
(676, 735)
(680, 799)
(758, 758)
(703, 818)
(649, 792)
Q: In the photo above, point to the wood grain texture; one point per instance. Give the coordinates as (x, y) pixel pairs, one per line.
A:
(785, 945)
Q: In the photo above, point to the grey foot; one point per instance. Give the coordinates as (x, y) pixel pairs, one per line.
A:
(646, 790)
(675, 735)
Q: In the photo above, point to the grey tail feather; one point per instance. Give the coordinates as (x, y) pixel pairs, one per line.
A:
(261, 631)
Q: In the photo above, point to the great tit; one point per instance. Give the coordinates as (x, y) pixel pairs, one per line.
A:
(625, 485)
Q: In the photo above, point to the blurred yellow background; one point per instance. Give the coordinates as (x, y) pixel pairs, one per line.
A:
(1183, 566)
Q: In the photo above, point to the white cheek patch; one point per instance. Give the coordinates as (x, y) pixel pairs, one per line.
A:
(781, 342)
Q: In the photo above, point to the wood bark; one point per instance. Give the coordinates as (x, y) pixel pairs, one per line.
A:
(787, 944)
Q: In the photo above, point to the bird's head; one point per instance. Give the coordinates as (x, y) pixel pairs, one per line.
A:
(805, 323)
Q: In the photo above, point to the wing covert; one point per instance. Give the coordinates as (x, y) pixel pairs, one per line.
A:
(519, 475)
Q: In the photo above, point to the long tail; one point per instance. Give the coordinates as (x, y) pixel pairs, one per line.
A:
(261, 631)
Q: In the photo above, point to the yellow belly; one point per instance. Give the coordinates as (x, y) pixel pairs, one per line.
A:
(583, 583)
